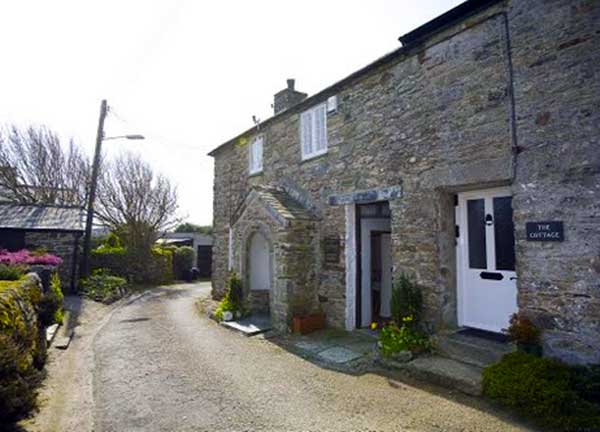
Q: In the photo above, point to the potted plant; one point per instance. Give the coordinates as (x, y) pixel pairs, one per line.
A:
(524, 333)
(304, 322)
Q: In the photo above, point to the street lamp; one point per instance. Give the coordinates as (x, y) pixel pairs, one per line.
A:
(85, 266)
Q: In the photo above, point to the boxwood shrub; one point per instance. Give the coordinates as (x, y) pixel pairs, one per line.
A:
(543, 389)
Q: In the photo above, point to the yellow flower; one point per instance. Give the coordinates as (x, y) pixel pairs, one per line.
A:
(373, 325)
(407, 319)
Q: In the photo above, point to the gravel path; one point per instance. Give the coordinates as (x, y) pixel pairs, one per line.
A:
(160, 366)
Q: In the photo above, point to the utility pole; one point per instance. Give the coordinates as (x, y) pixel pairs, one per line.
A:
(85, 262)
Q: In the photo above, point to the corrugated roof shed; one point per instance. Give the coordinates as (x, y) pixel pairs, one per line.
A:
(41, 217)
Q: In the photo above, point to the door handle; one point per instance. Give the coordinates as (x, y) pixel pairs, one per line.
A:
(513, 278)
(491, 275)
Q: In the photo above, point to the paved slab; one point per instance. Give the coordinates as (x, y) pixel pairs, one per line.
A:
(339, 355)
(250, 326)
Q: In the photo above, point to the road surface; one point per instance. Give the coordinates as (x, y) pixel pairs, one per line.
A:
(162, 366)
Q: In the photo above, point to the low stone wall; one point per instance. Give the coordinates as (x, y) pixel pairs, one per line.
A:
(66, 245)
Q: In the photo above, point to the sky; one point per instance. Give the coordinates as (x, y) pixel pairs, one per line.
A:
(188, 75)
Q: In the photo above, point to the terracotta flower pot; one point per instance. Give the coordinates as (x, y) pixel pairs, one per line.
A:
(309, 323)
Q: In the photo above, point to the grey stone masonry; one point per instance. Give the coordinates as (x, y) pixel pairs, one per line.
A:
(62, 244)
(508, 96)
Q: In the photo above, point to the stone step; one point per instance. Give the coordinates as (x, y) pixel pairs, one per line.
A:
(472, 350)
(447, 373)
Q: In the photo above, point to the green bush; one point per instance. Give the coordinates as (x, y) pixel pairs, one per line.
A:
(541, 388)
(407, 301)
(103, 287)
(404, 338)
(587, 382)
(153, 266)
(183, 261)
(233, 300)
(22, 347)
(51, 303)
(12, 272)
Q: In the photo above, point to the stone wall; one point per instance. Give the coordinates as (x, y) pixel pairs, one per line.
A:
(440, 118)
(556, 47)
(292, 248)
(58, 243)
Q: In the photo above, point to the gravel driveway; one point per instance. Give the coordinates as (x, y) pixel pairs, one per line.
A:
(160, 366)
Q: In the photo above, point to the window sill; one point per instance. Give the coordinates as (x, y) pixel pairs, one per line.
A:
(255, 174)
(313, 157)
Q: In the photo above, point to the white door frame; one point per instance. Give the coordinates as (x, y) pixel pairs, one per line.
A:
(366, 227)
(462, 251)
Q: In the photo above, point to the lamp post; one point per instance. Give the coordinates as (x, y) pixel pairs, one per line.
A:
(85, 261)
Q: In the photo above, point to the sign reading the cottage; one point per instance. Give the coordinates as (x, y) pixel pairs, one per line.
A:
(544, 231)
(331, 249)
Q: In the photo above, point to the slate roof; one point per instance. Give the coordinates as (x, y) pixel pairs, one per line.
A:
(41, 217)
(279, 203)
(283, 203)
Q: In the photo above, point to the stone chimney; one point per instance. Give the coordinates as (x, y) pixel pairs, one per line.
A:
(287, 98)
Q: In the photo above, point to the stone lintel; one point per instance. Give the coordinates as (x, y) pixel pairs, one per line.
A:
(366, 196)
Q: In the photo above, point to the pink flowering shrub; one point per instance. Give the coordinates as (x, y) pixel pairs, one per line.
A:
(26, 257)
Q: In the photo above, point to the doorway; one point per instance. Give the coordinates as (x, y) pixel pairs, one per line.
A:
(487, 288)
(260, 274)
(375, 270)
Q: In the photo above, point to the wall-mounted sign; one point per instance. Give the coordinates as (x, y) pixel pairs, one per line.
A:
(331, 250)
(545, 231)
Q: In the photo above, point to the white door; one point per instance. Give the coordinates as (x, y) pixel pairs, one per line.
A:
(487, 289)
(260, 264)
(386, 276)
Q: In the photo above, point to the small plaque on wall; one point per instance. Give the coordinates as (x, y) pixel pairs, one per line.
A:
(331, 250)
(545, 231)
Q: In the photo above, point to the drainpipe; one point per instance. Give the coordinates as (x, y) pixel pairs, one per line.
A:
(511, 95)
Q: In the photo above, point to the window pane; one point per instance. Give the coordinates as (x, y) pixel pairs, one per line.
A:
(306, 133)
(320, 143)
(504, 233)
(476, 222)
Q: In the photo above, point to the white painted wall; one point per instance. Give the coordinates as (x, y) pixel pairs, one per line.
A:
(260, 268)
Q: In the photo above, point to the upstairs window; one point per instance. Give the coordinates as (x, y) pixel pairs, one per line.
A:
(313, 131)
(255, 156)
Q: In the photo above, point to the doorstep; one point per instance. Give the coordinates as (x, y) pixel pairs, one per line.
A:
(250, 326)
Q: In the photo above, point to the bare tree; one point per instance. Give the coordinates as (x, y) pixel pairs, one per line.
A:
(135, 201)
(36, 168)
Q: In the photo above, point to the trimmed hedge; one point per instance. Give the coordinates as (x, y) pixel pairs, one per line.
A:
(22, 346)
(183, 261)
(146, 267)
(543, 389)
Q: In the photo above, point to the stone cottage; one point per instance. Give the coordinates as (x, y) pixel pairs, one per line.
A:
(56, 229)
(469, 158)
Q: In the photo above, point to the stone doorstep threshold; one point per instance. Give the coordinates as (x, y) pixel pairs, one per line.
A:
(441, 371)
(250, 326)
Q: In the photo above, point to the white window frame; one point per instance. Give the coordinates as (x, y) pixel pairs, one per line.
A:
(255, 155)
(309, 148)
